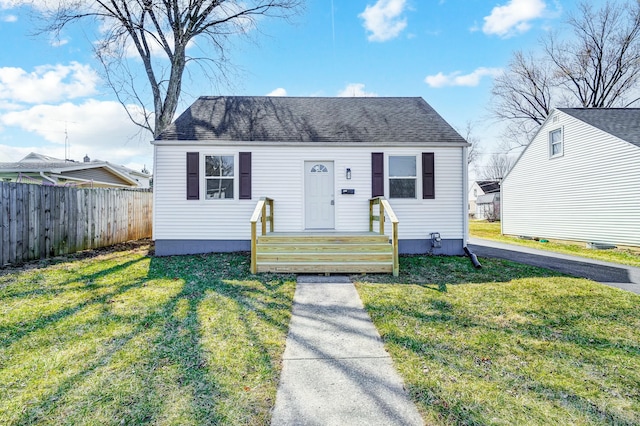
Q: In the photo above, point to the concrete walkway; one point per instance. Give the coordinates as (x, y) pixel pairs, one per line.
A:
(335, 369)
(612, 274)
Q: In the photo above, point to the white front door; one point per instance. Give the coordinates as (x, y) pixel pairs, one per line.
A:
(319, 195)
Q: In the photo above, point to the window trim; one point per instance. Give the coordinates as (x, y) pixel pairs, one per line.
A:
(560, 143)
(234, 178)
(416, 189)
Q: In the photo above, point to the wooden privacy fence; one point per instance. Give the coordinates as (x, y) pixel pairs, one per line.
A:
(39, 221)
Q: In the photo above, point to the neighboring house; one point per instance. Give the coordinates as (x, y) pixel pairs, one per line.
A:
(478, 188)
(319, 159)
(488, 207)
(578, 179)
(45, 170)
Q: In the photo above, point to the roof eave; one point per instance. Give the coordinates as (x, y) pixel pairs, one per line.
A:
(298, 144)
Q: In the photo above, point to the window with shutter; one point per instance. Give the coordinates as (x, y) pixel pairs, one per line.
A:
(377, 174)
(193, 175)
(245, 175)
(219, 174)
(428, 176)
(402, 176)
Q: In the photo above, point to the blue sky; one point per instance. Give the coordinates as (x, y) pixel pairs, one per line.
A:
(445, 51)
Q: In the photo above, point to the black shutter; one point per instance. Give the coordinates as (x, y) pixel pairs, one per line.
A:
(193, 175)
(428, 176)
(377, 174)
(245, 175)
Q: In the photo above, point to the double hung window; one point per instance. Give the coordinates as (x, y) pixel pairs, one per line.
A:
(555, 143)
(402, 177)
(219, 176)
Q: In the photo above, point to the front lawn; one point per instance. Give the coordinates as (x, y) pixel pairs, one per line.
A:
(125, 338)
(509, 344)
(491, 231)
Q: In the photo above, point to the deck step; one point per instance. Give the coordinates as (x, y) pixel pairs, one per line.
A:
(325, 248)
(321, 267)
(323, 239)
(324, 253)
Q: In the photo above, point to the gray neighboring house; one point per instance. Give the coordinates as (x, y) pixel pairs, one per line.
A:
(319, 159)
(42, 169)
(578, 179)
(488, 206)
(477, 189)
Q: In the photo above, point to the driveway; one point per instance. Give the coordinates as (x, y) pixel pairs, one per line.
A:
(612, 274)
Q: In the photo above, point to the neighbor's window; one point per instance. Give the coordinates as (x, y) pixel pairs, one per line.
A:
(555, 143)
(218, 174)
(402, 177)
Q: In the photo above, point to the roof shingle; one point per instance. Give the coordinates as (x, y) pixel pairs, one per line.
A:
(312, 119)
(621, 122)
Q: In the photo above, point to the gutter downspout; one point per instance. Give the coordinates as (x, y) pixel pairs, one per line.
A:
(465, 196)
(48, 178)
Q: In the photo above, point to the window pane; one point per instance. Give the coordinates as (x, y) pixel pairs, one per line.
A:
(219, 188)
(402, 188)
(556, 136)
(402, 166)
(212, 165)
(556, 149)
(227, 165)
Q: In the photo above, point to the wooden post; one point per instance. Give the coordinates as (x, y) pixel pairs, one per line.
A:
(253, 248)
(264, 219)
(396, 264)
(370, 215)
(381, 219)
(270, 215)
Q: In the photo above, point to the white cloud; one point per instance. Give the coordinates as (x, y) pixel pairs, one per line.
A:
(513, 18)
(355, 90)
(383, 19)
(278, 92)
(459, 79)
(100, 129)
(57, 42)
(9, 18)
(47, 83)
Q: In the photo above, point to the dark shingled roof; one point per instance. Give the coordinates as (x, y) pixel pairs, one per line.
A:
(621, 122)
(313, 119)
(489, 186)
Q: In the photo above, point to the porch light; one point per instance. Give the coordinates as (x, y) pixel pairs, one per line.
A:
(348, 173)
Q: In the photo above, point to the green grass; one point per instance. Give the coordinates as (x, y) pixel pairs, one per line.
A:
(126, 338)
(491, 231)
(509, 344)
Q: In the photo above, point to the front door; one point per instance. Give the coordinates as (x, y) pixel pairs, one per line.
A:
(318, 195)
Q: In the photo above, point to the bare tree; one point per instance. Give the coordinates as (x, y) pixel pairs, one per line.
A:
(597, 67)
(497, 167)
(474, 152)
(600, 67)
(159, 33)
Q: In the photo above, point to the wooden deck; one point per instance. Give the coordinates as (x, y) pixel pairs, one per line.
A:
(324, 252)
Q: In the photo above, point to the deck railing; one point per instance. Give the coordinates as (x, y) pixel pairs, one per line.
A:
(385, 210)
(260, 214)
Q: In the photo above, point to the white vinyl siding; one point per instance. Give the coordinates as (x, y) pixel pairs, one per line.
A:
(591, 193)
(278, 173)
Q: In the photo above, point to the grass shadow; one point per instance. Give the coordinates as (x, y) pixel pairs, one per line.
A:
(439, 272)
(153, 357)
(527, 351)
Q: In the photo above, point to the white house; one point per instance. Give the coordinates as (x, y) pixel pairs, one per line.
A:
(320, 159)
(477, 189)
(578, 179)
